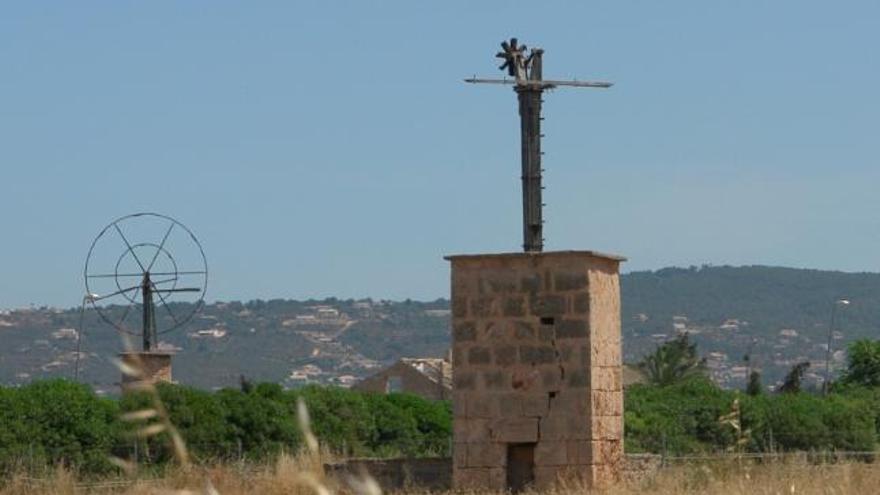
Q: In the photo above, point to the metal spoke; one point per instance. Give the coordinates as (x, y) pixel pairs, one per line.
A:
(129, 247)
(121, 291)
(125, 315)
(164, 304)
(111, 275)
(161, 245)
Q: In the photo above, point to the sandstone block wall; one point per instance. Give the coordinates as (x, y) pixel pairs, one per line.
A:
(536, 366)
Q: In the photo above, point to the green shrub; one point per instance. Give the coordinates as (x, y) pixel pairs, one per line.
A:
(56, 421)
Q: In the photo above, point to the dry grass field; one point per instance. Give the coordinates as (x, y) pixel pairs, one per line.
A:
(301, 475)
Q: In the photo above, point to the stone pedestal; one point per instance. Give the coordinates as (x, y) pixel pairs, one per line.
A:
(537, 369)
(156, 367)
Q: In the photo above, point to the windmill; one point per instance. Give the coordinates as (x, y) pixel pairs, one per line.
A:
(151, 268)
(526, 71)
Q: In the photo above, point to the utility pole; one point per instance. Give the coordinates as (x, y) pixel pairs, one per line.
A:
(529, 85)
(827, 382)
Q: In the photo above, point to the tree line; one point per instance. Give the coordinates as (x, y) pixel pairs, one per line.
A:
(58, 421)
(679, 410)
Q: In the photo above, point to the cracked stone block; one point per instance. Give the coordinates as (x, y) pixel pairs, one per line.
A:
(551, 379)
(534, 405)
(525, 378)
(570, 402)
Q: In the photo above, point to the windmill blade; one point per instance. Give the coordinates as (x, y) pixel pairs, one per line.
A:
(513, 42)
(504, 65)
(502, 55)
(505, 46)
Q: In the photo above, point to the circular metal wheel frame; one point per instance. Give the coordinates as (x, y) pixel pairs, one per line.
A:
(128, 281)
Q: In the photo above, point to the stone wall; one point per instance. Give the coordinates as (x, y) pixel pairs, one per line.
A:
(436, 473)
(396, 474)
(537, 392)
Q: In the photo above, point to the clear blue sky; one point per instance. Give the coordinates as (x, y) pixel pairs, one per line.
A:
(330, 148)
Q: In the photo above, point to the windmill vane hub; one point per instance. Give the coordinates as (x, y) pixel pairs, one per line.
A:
(123, 277)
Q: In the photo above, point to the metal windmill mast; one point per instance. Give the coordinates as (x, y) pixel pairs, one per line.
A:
(529, 84)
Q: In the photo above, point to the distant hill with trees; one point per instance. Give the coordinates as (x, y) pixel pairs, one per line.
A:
(777, 316)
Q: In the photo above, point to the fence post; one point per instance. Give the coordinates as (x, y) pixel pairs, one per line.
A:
(663, 453)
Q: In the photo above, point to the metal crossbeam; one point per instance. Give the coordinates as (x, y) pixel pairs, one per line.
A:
(528, 82)
(545, 84)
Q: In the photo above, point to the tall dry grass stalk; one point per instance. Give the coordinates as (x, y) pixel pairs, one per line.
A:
(292, 475)
(302, 472)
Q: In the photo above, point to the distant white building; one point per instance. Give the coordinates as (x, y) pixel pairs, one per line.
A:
(216, 333)
(65, 333)
(438, 313)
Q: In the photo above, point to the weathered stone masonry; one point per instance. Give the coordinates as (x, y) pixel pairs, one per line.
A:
(537, 385)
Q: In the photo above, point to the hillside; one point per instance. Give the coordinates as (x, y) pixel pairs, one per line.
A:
(780, 314)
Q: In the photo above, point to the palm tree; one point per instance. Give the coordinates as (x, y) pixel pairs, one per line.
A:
(672, 362)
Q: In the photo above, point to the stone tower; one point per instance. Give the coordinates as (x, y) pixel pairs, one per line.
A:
(155, 366)
(537, 392)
